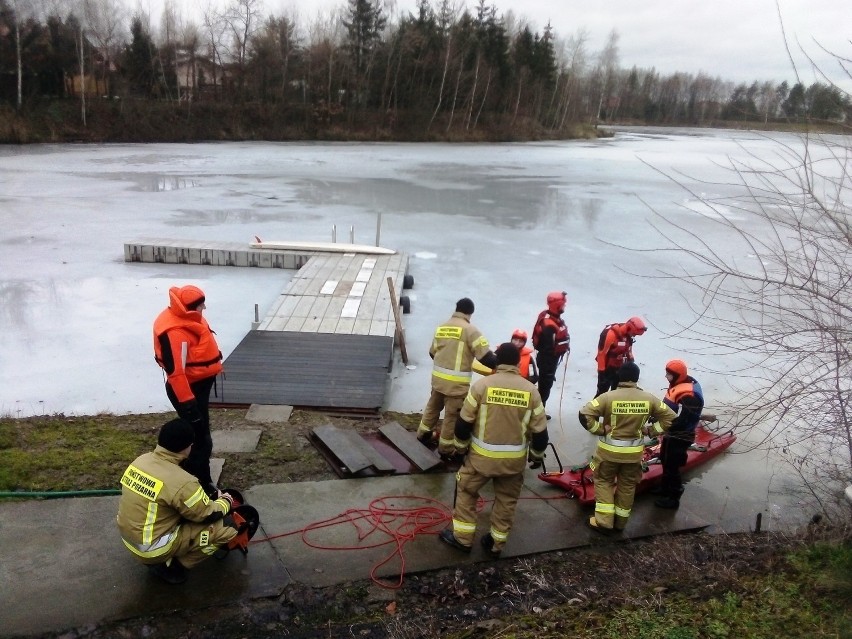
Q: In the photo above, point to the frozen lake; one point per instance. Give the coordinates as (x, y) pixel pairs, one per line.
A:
(503, 224)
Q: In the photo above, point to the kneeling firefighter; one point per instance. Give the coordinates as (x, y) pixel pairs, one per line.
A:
(165, 517)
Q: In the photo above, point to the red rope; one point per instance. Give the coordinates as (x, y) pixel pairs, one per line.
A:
(392, 523)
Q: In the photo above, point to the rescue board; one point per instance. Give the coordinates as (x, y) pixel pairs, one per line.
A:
(579, 481)
(325, 247)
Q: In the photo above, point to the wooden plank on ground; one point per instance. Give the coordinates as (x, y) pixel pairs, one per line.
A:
(336, 441)
(407, 443)
(349, 447)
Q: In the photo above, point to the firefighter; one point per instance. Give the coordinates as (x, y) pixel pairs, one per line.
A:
(455, 345)
(526, 366)
(686, 398)
(186, 350)
(615, 347)
(502, 424)
(165, 517)
(551, 341)
(621, 418)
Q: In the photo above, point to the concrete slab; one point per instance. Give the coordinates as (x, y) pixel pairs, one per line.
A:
(216, 465)
(62, 565)
(235, 441)
(267, 414)
(68, 552)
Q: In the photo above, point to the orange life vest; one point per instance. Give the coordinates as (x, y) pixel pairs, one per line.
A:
(614, 347)
(560, 330)
(524, 364)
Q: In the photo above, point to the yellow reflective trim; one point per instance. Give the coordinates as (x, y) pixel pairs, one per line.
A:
(481, 341)
(448, 332)
(150, 520)
(507, 397)
(481, 418)
(498, 535)
(160, 547)
(459, 356)
(499, 454)
(605, 509)
(423, 428)
(622, 512)
(446, 442)
(464, 526)
(538, 410)
(141, 483)
(624, 407)
(621, 450)
(197, 496)
(463, 378)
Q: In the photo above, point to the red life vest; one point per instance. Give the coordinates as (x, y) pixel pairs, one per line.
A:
(612, 352)
(561, 341)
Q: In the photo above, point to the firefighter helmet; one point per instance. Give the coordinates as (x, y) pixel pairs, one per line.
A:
(677, 369)
(520, 333)
(556, 302)
(635, 326)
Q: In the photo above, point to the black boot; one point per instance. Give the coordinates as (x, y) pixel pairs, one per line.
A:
(172, 571)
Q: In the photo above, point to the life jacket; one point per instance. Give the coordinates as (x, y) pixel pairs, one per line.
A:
(686, 421)
(619, 351)
(203, 357)
(524, 364)
(562, 340)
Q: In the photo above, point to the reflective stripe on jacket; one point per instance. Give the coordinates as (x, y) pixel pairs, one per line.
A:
(625, 411)
(505, 410)
(455, 345)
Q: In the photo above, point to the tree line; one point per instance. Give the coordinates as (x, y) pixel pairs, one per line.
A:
(439, 69)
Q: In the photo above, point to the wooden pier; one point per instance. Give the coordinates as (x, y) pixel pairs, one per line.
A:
(326, 342)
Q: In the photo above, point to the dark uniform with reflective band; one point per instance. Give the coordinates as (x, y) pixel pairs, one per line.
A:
(502, 423)
(686, 398)
(455, 345)
(164, 513)
(620, 419)
(551, 341)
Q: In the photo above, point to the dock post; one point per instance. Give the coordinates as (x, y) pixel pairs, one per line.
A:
(352, 234)
(334, 232)
(378, 229)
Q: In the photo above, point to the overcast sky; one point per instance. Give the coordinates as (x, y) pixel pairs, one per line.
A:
(740, 40)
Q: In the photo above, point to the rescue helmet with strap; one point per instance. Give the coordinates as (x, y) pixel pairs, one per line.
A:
(635, 326)
(556, 301)
(677, 369)
(520, 334)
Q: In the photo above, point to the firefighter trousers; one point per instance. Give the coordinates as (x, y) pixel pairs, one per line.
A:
(451, 405)
(507, 489)
(615, 490)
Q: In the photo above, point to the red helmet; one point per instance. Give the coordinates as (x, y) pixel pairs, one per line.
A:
(519, 333)
(676, 368)
(635, 326)
(556, 301)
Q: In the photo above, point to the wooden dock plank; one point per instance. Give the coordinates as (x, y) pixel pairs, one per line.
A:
(407, 443)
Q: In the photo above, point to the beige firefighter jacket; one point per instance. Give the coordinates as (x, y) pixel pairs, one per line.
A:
(156, 496)
(626, 412)
(455, 345)
(506, 411)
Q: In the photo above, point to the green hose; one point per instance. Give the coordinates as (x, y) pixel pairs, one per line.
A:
(48, 494)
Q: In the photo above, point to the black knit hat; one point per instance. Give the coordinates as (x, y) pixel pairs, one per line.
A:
(465, 305)
(629, 372)
(508, 353)
(176, 435)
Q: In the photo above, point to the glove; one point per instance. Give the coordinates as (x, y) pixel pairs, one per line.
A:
(536, 462)
(189, 411)
(227, 497)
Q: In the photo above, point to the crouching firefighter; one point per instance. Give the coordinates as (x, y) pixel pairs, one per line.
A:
(501, 425)
(166, 519)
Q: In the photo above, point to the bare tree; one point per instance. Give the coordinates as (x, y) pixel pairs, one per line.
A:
(105, 21)
(783, 304)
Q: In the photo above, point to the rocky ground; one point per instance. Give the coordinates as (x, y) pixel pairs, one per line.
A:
(485, 600)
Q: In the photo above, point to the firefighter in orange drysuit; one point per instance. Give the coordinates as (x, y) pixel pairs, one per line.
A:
(526, 367)
(186, 349)
(502, 424)
(455, 345)
(620, 418)
(551, 341)
(615, 347)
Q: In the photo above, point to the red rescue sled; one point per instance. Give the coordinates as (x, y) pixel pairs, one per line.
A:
(579, 483)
